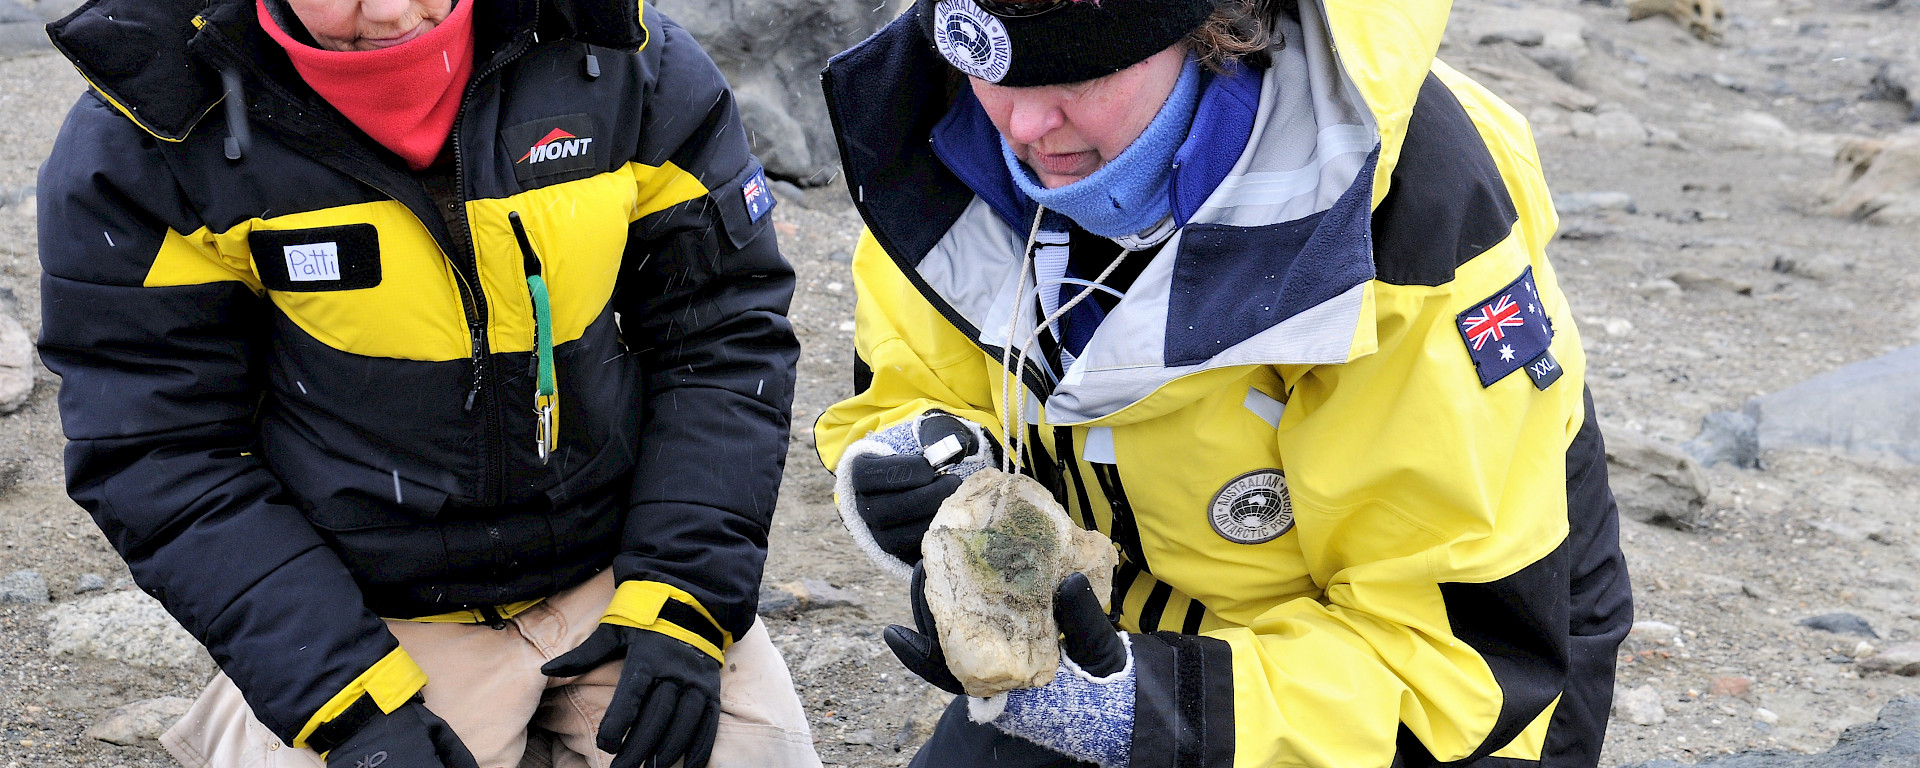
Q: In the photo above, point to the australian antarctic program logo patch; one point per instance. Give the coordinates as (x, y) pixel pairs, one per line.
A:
(972, 39)
(1508, 331)
(1252, 508)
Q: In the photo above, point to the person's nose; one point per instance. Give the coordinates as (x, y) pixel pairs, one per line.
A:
(385, 11)
(1035, 114)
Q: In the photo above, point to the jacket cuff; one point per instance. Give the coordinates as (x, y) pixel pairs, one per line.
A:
(390, 682)
(671, 611)
(843, 497)
(1183, 714)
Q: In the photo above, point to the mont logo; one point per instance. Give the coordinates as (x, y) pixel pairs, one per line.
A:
(551, 147)
(555, 145)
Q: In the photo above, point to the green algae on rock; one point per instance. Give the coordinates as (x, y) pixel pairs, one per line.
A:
(996, 551)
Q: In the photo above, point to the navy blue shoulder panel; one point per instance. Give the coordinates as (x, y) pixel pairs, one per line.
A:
(884, 96)
(1222, 124)
(1230, 283)
(1448, 203)
(966, 141)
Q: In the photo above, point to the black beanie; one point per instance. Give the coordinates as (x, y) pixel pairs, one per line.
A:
(1055, 41)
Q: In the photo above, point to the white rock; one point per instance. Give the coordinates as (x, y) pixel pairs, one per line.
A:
(1584, 203)
(1618, 129)
(129, 627)
(141, 721)
(1582, 124)
(1640, 706)
(1654, 630)
(1705, 19)
(1901, 659)
(1876, 180)
(996, 552)
(1759, 130)
(1765, 715)
(16, 364)
(1659, 286)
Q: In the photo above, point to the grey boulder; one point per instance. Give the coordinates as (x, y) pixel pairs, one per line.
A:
(27, 587)
(1726, 436)
(1654, 482)
(771, 52)
(1869, 408)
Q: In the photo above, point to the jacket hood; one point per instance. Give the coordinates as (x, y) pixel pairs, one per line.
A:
(1387, 49)
(147, 57)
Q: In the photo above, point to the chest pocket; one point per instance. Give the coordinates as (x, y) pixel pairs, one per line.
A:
(338, 258)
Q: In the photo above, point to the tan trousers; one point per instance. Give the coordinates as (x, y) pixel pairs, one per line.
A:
(486, 684)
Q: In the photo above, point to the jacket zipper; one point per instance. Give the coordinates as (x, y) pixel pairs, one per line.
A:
(485, 377)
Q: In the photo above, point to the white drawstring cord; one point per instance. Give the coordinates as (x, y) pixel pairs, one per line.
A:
(1012, 391)
(1009, 461)
(1106, 289)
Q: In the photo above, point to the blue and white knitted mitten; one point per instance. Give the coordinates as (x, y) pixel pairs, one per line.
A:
(1078, 715)
(953, 446)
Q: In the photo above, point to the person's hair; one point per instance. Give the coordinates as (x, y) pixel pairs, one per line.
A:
(1239, 30)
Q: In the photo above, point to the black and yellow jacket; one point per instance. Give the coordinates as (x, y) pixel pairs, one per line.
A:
(1337, 426)
(299, 382)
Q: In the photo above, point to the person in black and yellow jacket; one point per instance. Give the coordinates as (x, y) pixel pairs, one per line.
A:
(1259, 289)
(428, 361)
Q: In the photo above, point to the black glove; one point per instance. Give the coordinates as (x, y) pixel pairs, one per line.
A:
(920, 650)
(667, 704)
(1087, 636)
(897, 496)
(409, 737)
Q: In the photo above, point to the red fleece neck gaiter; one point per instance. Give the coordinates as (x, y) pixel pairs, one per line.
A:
(405, 97)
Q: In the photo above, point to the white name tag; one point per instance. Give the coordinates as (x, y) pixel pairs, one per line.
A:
(313, 261)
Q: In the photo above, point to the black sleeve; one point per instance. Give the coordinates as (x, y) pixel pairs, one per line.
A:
(160, 379)
(703, 303)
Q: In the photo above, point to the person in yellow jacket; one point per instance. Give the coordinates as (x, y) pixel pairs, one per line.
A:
(1272, 283)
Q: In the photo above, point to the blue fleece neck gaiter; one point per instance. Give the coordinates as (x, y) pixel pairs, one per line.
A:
(1131, 192)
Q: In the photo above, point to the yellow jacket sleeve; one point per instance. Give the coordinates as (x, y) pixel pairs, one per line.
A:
(920, 361)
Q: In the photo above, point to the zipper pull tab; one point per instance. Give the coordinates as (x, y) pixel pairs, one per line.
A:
(472, 394)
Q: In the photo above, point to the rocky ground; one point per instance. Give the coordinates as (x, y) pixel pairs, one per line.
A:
(1694, 249)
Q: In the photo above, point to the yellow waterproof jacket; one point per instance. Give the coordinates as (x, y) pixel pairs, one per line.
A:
(1336, 427)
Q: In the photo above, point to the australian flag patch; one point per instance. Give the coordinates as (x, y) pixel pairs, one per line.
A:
(759, 199)
(1509, 331)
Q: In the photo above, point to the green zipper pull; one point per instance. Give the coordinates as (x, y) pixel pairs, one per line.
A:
(546, 395)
